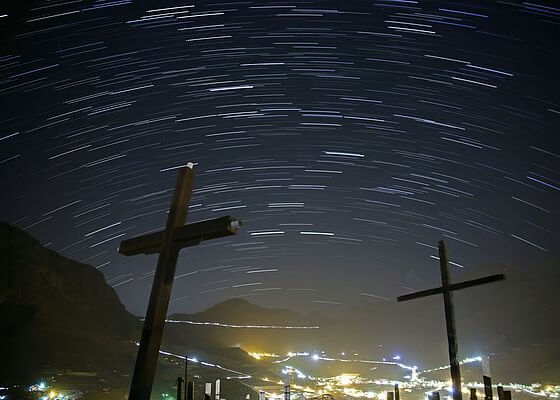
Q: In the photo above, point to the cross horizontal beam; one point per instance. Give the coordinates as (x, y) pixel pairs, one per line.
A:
(183, 236)
(452, 287)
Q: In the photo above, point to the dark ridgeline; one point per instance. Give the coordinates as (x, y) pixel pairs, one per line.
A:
(59, 317)
(447, 290)
(57, 313)
(74, 310)
(168, 243)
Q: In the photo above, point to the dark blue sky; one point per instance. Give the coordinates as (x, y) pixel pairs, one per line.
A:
(350, 136)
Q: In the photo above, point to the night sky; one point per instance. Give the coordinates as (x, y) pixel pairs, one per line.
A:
(350, 136)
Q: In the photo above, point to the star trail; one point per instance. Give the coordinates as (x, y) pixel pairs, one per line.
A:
(350, 136)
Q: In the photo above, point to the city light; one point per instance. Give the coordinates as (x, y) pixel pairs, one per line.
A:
(349, 384)
(259, 356)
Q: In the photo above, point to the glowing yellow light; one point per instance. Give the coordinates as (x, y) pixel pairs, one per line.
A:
(52, 394)
(346, 379)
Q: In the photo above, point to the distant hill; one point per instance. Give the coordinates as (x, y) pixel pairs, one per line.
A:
(59, 315)
(512, 321)
(56, 312)
(61, 321)
(240, 312)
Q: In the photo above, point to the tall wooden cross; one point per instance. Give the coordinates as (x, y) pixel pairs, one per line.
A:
(168, 243)
(447, 290)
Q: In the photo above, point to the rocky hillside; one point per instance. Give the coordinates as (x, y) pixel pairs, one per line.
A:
(56, 312)
(61, 322)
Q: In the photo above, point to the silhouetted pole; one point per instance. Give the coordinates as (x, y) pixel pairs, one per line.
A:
(446, 289)
(180, 382)
(190, 391)
(397, 393)
(473, 394)
(487, 380)
(186, 378)
(390, 396)
(167, 243)
(287, 382)
(217, 390)
(287, 387)
(434, 396)
(500, 392)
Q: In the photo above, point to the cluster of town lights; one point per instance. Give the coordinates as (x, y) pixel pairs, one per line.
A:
(343, 383)
(48, 393)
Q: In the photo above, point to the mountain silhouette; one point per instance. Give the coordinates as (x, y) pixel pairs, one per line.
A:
(60, 315)
(240, 311)
(61, 321)
(56, 312)
(235, 323)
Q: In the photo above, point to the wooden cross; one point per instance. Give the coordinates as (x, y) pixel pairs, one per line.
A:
(168, 243)
(447, 290)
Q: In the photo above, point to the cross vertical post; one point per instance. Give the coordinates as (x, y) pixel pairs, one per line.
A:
(168, 243)
(450, 322)
(446, 290)
(152, 332)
